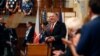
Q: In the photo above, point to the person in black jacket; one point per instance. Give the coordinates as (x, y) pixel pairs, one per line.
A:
(11, 40)
(28, 36)
(8, 41)
(29, 33)
(2, 37)
(42, 33)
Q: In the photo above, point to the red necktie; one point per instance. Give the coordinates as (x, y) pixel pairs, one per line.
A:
(51, 28)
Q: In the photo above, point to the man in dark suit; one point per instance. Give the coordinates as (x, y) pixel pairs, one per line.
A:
(42, 33)
(29, 33)
(2, 37)
(14, 36)
(89, 44)
(55, 32)
(13, 39)
(8, 44)
(28, 36)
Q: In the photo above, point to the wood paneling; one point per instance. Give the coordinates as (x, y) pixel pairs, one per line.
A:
(21, 30)
(48, 5)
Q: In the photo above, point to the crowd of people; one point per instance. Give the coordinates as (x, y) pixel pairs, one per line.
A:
(82, 41)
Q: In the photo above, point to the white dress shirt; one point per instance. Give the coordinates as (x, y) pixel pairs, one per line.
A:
(93, 17)
(27, 33)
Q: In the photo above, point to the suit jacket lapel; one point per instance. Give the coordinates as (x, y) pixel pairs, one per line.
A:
(54, 29)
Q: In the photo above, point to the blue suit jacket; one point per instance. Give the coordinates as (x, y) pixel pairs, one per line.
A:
(89, 44)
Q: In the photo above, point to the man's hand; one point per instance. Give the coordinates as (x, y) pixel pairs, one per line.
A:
(46, 38)
(49, 40)
(58, 52)
(52, 38)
